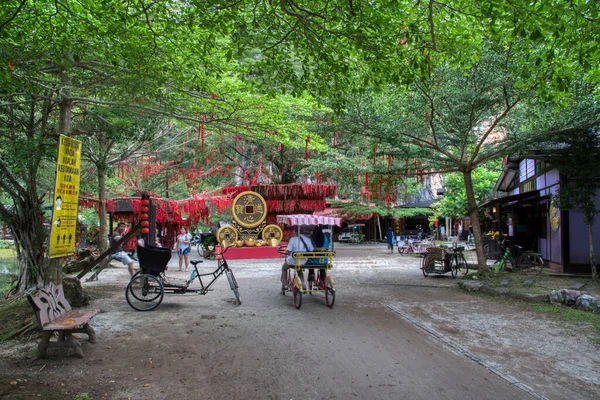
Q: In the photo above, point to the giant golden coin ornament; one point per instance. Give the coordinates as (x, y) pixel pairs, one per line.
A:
(227, 233)
(249, 209)
(272, 234)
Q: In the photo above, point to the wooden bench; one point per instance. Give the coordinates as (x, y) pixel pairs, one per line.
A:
(54, 314)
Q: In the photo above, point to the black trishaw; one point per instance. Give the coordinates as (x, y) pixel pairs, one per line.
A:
(147, 287)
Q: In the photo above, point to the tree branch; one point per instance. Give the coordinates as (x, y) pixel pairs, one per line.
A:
(17, 11)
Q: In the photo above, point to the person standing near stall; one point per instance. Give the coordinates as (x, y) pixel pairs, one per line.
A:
(183, 247)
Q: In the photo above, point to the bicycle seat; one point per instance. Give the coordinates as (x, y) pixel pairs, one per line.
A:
(194, 262)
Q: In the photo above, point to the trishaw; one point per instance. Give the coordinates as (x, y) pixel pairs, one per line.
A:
(321, 260)
(439, 260)
(147, 287)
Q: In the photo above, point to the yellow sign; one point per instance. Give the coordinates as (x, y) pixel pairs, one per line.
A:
(66, 198)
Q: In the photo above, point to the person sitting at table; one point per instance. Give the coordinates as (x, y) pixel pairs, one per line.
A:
(297, 243)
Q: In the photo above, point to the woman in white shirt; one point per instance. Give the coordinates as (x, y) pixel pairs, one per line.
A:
(183, 247)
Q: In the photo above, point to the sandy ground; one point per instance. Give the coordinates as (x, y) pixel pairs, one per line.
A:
(391, 334)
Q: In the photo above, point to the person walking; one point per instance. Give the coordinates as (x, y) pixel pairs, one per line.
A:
(183, 247)
(389, 237)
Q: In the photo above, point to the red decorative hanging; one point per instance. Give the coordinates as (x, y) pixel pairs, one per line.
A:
(389, 162)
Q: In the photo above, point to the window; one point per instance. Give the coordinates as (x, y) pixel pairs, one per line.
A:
(526, 170)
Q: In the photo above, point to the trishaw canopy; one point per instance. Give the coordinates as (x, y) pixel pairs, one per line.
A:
(308, 219)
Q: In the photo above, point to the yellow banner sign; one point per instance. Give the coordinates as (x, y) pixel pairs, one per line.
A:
(66, 198)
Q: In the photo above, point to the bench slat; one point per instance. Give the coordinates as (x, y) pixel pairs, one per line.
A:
(72, 320)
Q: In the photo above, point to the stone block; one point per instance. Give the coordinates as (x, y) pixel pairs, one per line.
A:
(556, 296)
(571, 296)
(586, 302)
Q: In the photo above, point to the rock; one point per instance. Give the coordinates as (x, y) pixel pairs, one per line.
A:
(576, 286)
(528, 283)
(586, 302)
(530, 297)
(471, 286)
(79, 265)
(74, 293)
(556, 296)
(504, 282)
(570, 296)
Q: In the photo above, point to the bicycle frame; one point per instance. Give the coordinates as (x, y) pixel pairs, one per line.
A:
(506, 257)
(222, 267)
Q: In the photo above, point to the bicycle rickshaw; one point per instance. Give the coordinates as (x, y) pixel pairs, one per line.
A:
(439, 260)
(147, 287)
(319, 260)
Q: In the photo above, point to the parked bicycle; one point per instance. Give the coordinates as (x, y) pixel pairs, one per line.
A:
(526, 261)
(147, 287)
(412, 246)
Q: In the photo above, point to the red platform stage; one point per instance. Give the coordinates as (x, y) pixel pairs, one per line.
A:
(240, 253)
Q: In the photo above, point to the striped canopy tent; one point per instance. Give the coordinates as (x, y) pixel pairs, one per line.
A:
(308, 219)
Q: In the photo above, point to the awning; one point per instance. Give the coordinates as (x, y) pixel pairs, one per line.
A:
(335, 212)
(534, 194)
(308, 219)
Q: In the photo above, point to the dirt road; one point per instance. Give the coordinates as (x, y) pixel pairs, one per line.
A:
(392, 334)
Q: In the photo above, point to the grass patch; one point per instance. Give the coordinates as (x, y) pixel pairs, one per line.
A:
(15, 314)
(8, 253)
(572, 316)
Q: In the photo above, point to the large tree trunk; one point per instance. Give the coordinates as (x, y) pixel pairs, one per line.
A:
(590, 223)
(474, 215)
(28, 231)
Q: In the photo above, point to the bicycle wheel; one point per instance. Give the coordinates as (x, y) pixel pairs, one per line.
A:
(329, 297)
(425, 266)
(538, 263)
(200, 249)
(462, 264)
(297, 297)
(234, 286)
(144, 292)
(453, 265)
(487, 252)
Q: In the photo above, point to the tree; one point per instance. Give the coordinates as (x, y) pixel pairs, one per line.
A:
(63, 56)
(454, 203)
(577, 162)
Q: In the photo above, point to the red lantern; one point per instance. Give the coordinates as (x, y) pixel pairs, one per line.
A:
(145, 202)
(143, 217)
(144, 209)
(145, 224)
(145, 231)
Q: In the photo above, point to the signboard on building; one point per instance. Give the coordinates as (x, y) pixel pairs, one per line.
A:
(66, 198)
